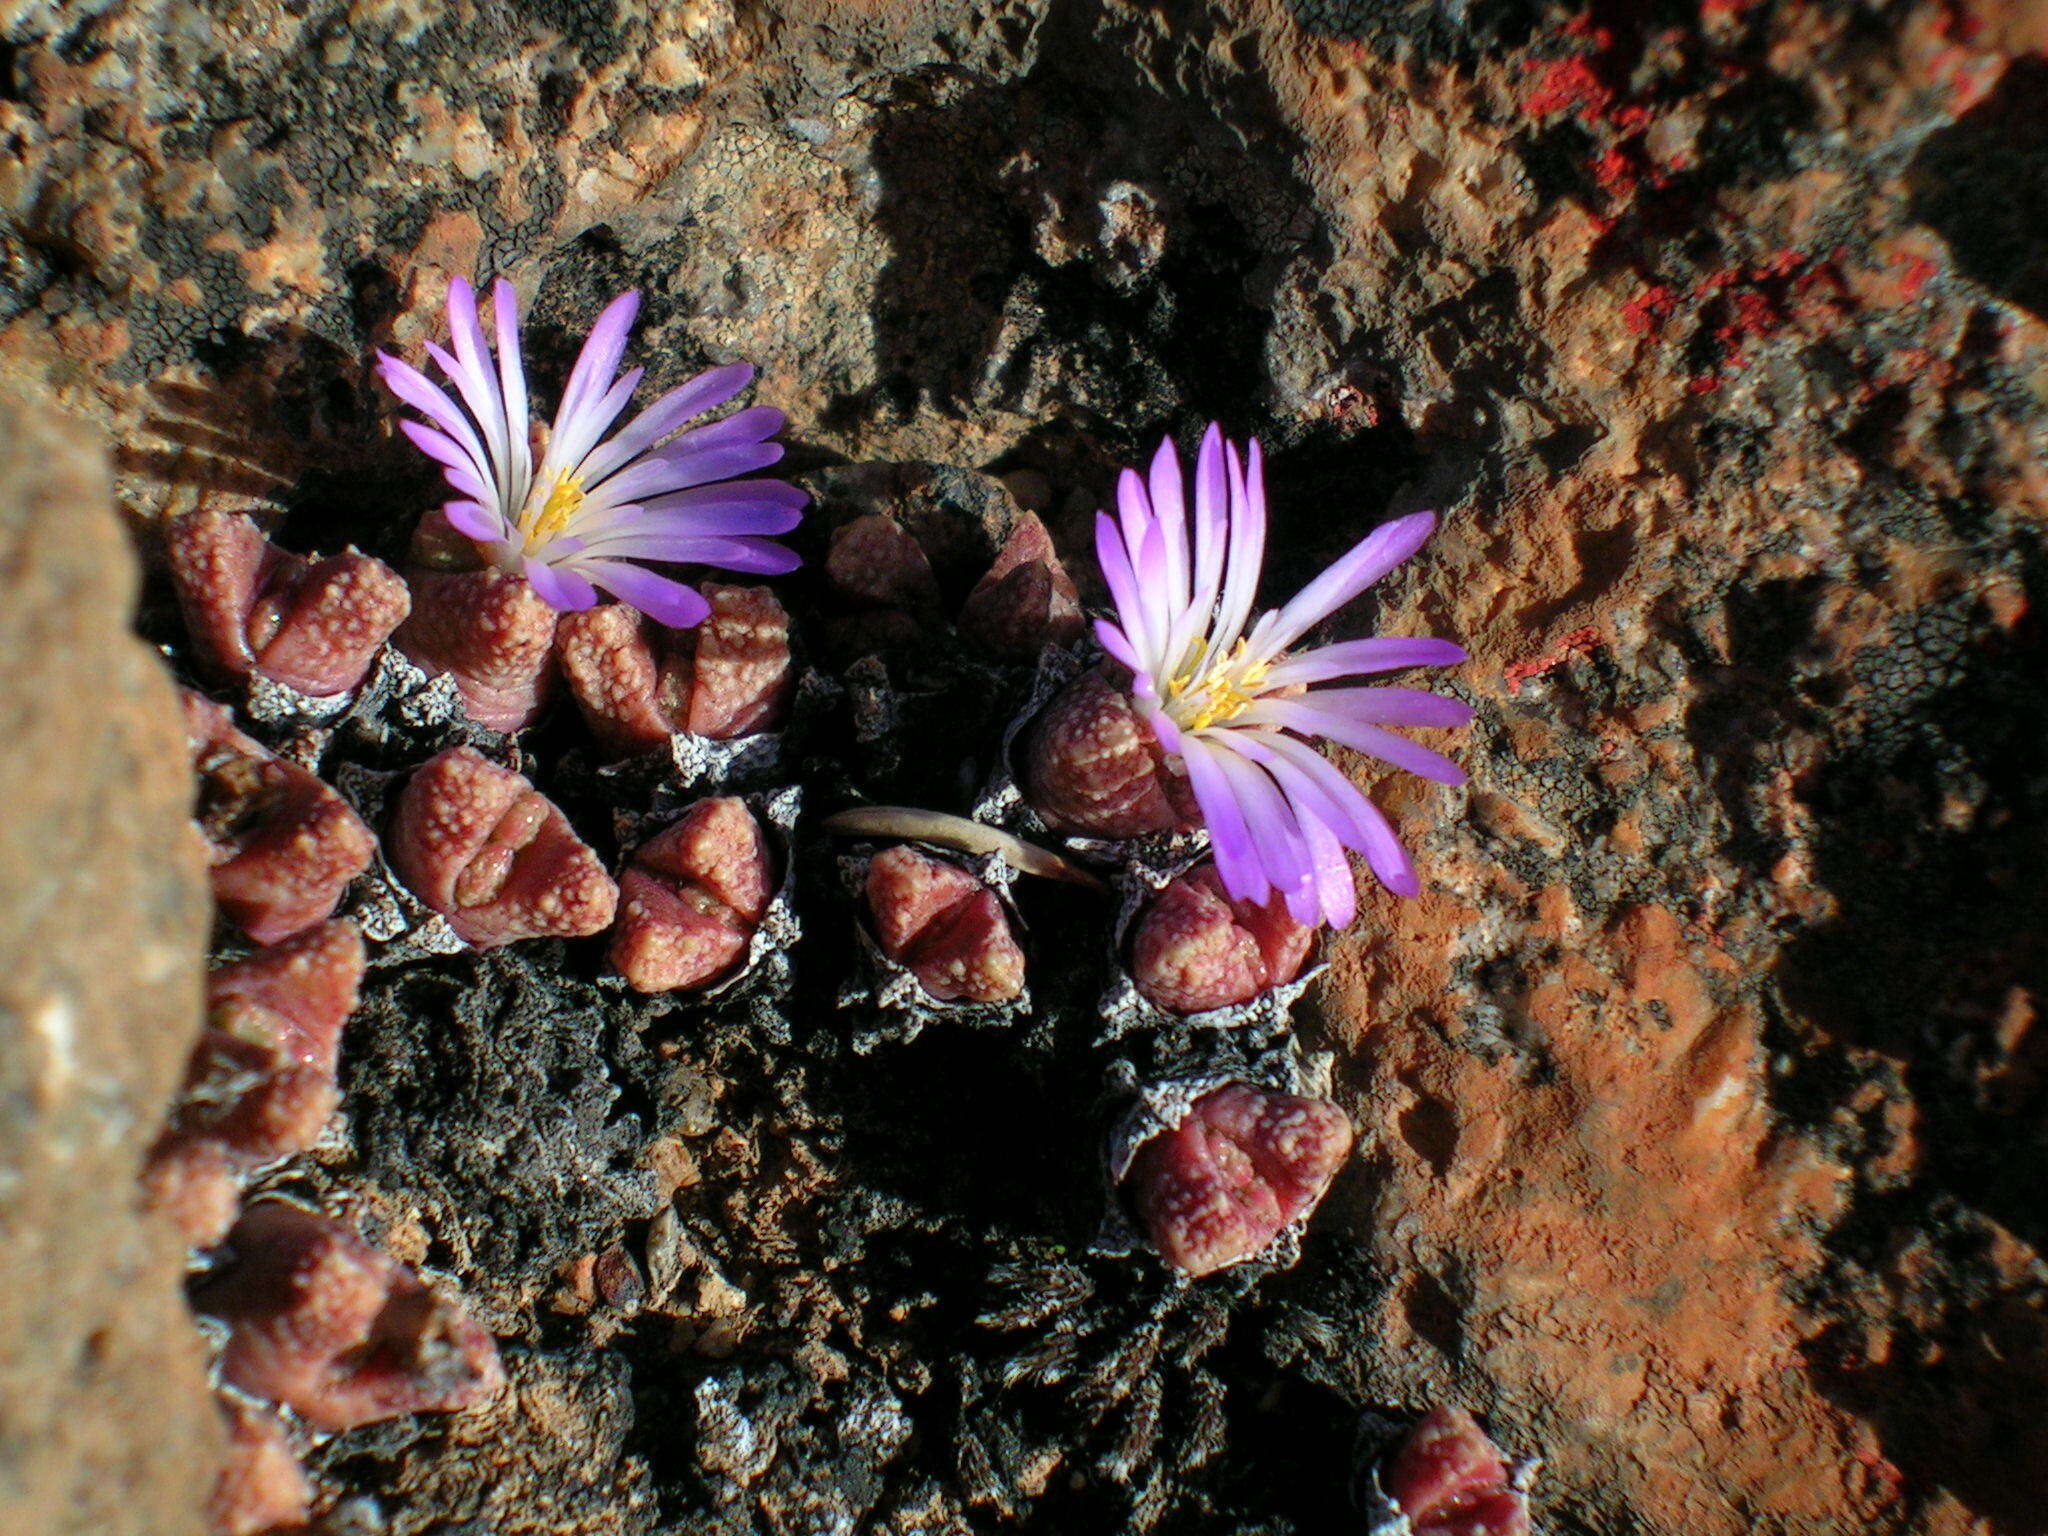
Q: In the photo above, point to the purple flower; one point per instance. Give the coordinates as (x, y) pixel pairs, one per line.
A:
(1237, 708)
(594, 513)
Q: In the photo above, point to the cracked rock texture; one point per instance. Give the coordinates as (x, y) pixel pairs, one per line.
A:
(106, 1413)
(1701, 1094)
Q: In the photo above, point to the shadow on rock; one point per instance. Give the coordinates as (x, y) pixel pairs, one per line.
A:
(1983, 184)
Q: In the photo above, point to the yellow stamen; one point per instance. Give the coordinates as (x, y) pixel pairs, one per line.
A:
(1221, 694)
(561, 505)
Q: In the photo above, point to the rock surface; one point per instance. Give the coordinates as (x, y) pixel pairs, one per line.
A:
(1707, 1071)
(107, 1427)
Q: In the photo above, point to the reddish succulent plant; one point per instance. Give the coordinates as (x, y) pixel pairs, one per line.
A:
(325, 1325)
(1243, 1164)
(1451, 1480)
(481, 846)
(282, 844)
(261, 1487)
(1196, 949)
(313, 625)
(295, 996)
(691, 897)
(944, 926)
(261, 1083)
(492, 633)
(875, 562)
(1092, 767)
(638, 682)
(1027, 600)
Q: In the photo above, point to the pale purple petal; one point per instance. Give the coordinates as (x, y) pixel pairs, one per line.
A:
(512, 390)
(743, 429)
(1237, 859)
(1169, 511)
(1313, 782)
(574, 436)
(1368, 560)
(1336, 891)
(426, 397)
(473, 520)
(1242, 564)
(1359, 658)
(1390, 706)
(598, 362)
(631, 541)
(1387, 859)
(731, 495)
(661, 473)
(660, 598)
(1134, 512)
(707, 391)
(1276, 838)
(1113, 641)
(473, 373)
(1212, 521)
(1115, 564)
(1323, 823)
(442, 448)
(1164, 731)
(559, 588)
(715, 522)
(1369, 739)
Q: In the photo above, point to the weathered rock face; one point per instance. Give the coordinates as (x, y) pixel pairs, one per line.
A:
(108, 1425)
(1703, 1087)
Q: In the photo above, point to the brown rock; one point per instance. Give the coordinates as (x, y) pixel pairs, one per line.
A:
(106, 1431)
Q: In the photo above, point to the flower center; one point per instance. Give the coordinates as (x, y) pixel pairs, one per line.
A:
(563, 499)
(1197, 699)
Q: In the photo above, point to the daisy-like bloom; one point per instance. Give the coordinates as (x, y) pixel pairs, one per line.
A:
(1240, 710)
(592, 513)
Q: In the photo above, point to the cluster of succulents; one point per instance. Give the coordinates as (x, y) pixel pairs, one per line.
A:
(1168, 758)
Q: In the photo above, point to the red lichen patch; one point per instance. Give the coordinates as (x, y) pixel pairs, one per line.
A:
(250, 607)
(1091, 765)
(261, 1488)
(691, 898)
(492, 633)
(1580, 642)
(1646, 313)
(323, 1324)
(1244, 1163)
(939, 922)
(485, 849)
(638, 682)
(1196, 949)
(1027, 600)
(282, 844)
(1450, 1480)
